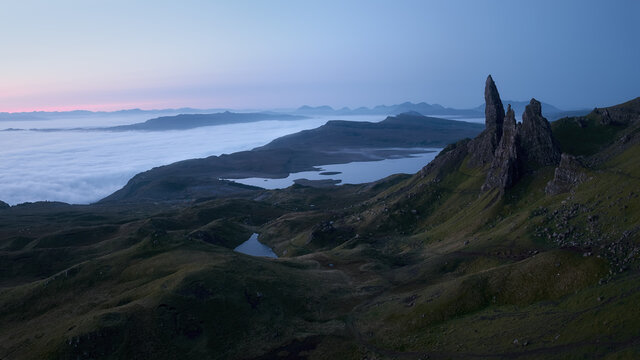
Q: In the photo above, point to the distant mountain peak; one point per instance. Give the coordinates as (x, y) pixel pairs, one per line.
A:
(315, 108)
(410, 113)
(421, 107)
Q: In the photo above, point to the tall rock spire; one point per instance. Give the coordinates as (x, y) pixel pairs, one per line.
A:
(494, 110)
(506, 150)
(505, 168)
(483, 147)
(537, 140)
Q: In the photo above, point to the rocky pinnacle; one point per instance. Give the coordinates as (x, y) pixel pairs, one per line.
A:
(522, 147)
(537, 140)
(505, 168)
(483, 147)
(494, 110)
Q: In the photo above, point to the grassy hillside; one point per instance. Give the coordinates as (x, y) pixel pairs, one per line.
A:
(422, 266)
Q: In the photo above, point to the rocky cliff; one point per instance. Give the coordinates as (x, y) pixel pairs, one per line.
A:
(539, 148)
(506, 166)
(507, 150)
(568, 174)
(483, 146)
(520, 148)
(622, 114)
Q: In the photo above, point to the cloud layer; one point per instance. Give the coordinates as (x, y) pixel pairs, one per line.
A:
(81, 167)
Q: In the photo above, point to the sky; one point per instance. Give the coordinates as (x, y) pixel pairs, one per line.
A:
(110, 55)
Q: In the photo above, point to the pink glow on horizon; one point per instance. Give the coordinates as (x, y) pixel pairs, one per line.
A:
(103, 107)
(91, 107)
(144, 104)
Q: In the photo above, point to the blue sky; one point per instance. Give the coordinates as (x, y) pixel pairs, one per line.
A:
(272, 54)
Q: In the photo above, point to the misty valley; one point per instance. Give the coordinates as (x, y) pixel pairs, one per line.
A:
(319, 180)
(407, 236)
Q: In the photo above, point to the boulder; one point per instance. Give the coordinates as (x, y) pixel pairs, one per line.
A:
(567, 175)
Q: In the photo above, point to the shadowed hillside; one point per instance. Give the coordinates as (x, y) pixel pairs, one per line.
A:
(522, 242)
(336, 142)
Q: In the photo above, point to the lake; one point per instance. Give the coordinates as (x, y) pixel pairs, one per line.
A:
(351, 173)
(254, 247)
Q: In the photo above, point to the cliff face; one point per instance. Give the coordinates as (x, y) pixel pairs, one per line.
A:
(506, 166)
(482, 147)
(507, 150)
(622, 114)
(512, 149)
(539, 146)
(568, 174)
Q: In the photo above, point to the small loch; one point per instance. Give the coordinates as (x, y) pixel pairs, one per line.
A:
(254, 247)
(357, 172)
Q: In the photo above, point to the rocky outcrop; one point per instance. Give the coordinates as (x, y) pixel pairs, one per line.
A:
(447, 160)
(539, 147)
(483, 147)
(4, 205)
(622, 114)
(506, 166)
(567, 175)
(494, 110)
(508, 149)
(520, 148)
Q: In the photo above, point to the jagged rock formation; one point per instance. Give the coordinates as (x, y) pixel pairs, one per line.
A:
(494, 110)
(505, 168)
(506, 148)
(621, 114)
(568, 174)
(520, 148)
(540, 148)
(483, 146)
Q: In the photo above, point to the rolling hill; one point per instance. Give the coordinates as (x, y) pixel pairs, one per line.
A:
(522, 242)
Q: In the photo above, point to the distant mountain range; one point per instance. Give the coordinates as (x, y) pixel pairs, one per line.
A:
(550, 111)
(422, 108)
(190, 121)
(48, 115)
(518, 107)
(183, 122)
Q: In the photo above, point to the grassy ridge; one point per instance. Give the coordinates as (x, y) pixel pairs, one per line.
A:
(407, 267)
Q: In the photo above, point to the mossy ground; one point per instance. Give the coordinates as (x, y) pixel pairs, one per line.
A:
(408, 267)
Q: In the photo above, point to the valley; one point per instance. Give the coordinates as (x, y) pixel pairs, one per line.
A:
(518, 241)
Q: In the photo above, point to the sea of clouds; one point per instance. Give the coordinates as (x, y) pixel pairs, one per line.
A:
(82, 167)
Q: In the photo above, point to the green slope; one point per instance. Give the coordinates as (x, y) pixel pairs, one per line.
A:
(408, 267)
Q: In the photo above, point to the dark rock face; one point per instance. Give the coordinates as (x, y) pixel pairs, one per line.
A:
(4, 205)
(622, 114)
(483, 146)
(540, 149)
(568, 174)
(447, 160)
(520, 148)
(494, 110)
(508, 149)
(506, 166)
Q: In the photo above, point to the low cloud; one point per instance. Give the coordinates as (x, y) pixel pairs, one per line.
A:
(81, 167)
